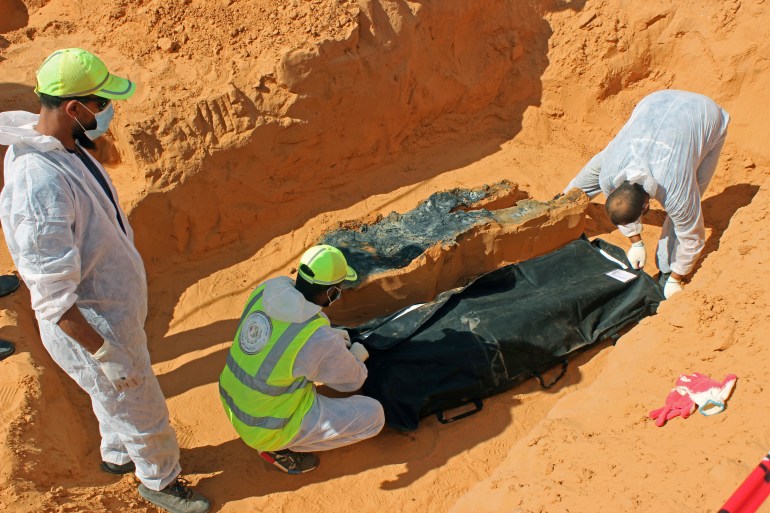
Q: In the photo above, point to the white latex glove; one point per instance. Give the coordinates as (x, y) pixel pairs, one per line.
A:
(117, 367)
(359, 351)
(672, 287)
(344, 334)
(637, 255)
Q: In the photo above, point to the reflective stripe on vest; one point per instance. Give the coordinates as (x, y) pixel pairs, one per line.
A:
(250, 305)
(260, 422)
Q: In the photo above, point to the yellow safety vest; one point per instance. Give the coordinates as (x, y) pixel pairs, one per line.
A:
(262, 399)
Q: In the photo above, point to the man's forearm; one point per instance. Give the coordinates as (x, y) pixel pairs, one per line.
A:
(75, 325)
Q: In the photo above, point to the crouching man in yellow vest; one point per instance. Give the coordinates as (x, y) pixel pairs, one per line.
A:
(284, 344)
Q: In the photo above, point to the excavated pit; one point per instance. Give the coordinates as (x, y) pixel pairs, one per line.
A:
(445, 242)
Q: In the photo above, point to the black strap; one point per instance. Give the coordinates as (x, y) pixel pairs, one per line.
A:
(441, 415)
(539, 377)
(97, 174)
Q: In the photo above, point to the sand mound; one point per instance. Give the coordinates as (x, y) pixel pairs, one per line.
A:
(259, 126)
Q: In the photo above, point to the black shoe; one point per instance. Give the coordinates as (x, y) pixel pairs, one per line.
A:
(291, 462)
(176, 498)
(114, 468)
(8, 283)
(6, 349)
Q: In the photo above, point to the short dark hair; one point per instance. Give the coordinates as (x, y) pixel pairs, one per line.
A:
(625, 204)
(50, 102)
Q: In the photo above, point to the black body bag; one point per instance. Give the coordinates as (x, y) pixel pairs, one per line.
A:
(503, 328)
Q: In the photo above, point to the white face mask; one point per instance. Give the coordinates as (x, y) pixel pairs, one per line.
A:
(334, 296)
(103, 119)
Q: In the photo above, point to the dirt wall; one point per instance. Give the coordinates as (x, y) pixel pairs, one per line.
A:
(318, 120)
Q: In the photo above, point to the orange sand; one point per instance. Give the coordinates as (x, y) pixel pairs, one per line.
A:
(259, 125)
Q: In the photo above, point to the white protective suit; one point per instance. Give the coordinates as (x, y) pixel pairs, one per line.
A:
(670, 146)
(330, 422)
(64, 237)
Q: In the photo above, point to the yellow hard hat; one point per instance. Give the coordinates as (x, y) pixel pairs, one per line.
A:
(74, 72)
(327, 266)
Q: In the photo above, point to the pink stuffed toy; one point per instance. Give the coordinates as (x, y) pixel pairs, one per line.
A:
(708, 394)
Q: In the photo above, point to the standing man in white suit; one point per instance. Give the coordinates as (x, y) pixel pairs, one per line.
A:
(667, 150)
(73, 247)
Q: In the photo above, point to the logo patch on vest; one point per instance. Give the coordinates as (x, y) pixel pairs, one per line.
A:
(255, 333)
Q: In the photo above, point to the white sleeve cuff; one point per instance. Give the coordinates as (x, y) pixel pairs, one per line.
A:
(681, 270)
(51, 309)
(629, 230)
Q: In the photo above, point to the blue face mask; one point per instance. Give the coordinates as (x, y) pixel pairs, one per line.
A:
(103, 119)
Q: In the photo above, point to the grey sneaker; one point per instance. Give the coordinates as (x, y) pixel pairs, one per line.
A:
(176, 498)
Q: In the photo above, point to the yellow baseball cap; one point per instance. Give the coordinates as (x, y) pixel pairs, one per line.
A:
(75, 72)
(327, 266)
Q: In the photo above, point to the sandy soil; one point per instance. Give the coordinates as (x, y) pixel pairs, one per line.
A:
(258, 127)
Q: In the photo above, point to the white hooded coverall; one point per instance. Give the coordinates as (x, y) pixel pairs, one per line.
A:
(330, 422)
(670, 146)
(63, 234)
